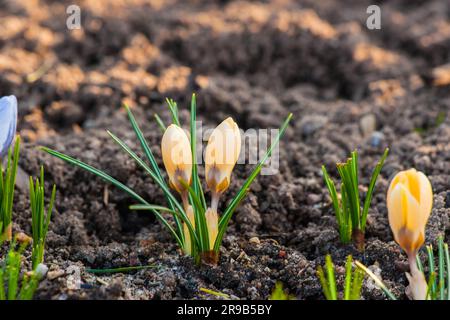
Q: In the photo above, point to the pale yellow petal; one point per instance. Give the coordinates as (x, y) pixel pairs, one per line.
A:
(426, 197)
(222, 153)
(397, 219)
(177, 156)
(400, 177)
(413, 183)
(414, 220)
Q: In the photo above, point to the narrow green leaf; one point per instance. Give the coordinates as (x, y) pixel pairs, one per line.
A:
(329, 269)
(354, 175)
(146, 207)
(196, 183)
(154, 164)
(377, 280)
(345, 171)
(161, 184)
(432, 268)
(173, 108)
(348, 278)
(447, 262)
(324, 283)
(197, 192)
(114, 182)
(120, 270)
(2, 285)
(431, 293)
(419, 264)
(441, 268)
(341, 214)
(346, 226)
(371, 188)
(216, 293)
(160, 123)
(358, 278)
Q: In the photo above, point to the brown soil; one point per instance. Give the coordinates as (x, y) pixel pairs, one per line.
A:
(254, 61)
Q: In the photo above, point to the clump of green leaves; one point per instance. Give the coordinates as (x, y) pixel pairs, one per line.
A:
(13, 285)
(352, 282)
(7, 186)
(199, 231)
(438, 274)
(350, 215)
(40, 217)
(278, 293)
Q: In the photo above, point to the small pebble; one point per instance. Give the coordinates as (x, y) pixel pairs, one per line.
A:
(447, 200)
(41, 270)
(313, 198)
(368, 124)
(376, 139)
(254, 240)
(311, 124)
(51, 275)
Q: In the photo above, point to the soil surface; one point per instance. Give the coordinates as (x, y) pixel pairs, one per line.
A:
(348, 87)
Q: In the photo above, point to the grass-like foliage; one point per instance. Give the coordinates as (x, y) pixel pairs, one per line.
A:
(279, 293)
(7, 186)
(352, 282)
(197, 231)
(351, 216)
(120, 269)
(438, 274)
(217, 294)
(13, 284)
(40, 217)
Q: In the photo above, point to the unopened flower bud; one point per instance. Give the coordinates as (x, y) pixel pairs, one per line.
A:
(177, 157)
(222, 153)
(8, 123)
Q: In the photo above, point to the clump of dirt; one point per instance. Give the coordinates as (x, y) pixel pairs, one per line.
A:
(255, 62)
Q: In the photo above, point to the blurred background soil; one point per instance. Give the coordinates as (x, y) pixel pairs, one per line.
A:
(348, 87)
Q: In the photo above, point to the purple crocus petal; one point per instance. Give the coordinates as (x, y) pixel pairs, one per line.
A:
(8, 123)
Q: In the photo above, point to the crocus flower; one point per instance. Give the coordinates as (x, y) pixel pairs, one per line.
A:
(222, 153)
(409, 202)
(177, 157)
(8, 123)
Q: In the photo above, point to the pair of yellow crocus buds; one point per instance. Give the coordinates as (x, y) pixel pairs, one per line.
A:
(409, 203)
(221, 155)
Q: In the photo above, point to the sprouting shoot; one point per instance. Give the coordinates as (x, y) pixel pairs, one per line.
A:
(350, 216)
(198, 226)
(40, 217)
(8, 163)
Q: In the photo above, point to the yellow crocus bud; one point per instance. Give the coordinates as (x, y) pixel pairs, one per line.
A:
(187, 235)
(409, 203)
(212, 221)
(222, 153)
(177, 157)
